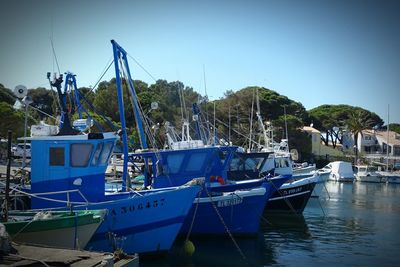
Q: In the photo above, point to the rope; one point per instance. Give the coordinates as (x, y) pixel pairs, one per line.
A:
(23, 228)
(194, 215)
(146, 125)
(37, 195)
(284, 198)
(75, 230)
(224, 224)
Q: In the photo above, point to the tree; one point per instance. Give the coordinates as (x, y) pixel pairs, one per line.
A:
(11, 120)
(331, 119)
(43, 100)
(6, 95)
(356, 123)
(237, 108)
(395, 127)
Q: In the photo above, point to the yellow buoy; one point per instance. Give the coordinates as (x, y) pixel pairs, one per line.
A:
(188, 247)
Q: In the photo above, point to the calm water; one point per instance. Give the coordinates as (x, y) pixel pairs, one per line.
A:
(359, 225)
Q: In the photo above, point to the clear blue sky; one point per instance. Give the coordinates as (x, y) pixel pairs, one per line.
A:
(314, 51)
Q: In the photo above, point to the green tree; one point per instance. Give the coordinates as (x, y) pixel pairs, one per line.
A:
(6, 95)
(11, 119)
(356, 123)
(395, 127)
(43, 100)
(331, 120)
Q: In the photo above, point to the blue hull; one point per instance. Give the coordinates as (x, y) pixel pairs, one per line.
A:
(239, 211)
(145, 223)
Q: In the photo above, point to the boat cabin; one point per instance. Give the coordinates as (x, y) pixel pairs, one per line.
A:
(176, 167)
(62, 164)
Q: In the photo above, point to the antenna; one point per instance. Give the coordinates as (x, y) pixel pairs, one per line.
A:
(54, 54)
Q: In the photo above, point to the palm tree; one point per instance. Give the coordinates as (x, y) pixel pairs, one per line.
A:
(356, 123)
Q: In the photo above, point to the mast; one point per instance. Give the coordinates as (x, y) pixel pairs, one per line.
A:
(260, 121)
(120, 55)
(125, 178)
(65, 125)
(387, 146)
(229, 127)
(286, 130)
(251, 123)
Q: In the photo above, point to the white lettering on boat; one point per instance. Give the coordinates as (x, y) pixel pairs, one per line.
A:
(234, 200)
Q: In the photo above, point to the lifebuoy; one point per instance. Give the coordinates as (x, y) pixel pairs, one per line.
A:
(217, 178)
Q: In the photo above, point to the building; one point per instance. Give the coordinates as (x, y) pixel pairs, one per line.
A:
(318, 147)
(383, 143)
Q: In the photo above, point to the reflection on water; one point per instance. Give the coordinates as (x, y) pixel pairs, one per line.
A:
(359, 226)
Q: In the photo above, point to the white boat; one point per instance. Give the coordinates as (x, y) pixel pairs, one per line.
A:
(303, 168)
(60, 229)
(390, 177)
(341, 171)
(365, 173)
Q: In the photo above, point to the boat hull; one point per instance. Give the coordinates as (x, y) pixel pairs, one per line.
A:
(138, 222)
(69, 232)
(370, 178)
(291, 197)
(237, 212)
(145, 224)
(59, 238)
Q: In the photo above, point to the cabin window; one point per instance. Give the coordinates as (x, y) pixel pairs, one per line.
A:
(236, 164)
(174, 162)
(196, 162)
(281, 163)
(105, 153)
(56, 155)
(250, 164)
(96, 155)
(80, 154)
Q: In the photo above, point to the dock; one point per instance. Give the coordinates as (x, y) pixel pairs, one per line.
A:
(26, 255)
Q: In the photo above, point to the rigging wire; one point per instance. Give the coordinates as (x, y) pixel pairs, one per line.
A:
(143, 68)
(145, 122)
(55, 55)
(234, 130)
(110, 63)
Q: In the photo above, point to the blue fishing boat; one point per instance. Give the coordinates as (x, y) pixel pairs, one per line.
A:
(68, 170)
(223, 205)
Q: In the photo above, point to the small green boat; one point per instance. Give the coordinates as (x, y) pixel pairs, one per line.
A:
(59, 229)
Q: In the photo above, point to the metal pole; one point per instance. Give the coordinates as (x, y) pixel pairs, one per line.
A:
(7, 197)
(229, 127)
(387, 146)
(25, 126)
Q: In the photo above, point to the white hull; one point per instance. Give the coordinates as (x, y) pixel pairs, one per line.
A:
(369, 178)
(390, 177)
(59, 238)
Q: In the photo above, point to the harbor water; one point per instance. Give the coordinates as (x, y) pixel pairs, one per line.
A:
(350, 224)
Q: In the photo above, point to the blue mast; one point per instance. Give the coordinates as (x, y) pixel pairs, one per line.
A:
(120, 53)
(125, 181)
(70, 79)
(118, 49)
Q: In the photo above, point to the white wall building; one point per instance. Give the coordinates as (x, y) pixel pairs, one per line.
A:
(377, 142)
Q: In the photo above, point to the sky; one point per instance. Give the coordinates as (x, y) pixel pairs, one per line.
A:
(313, 51)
